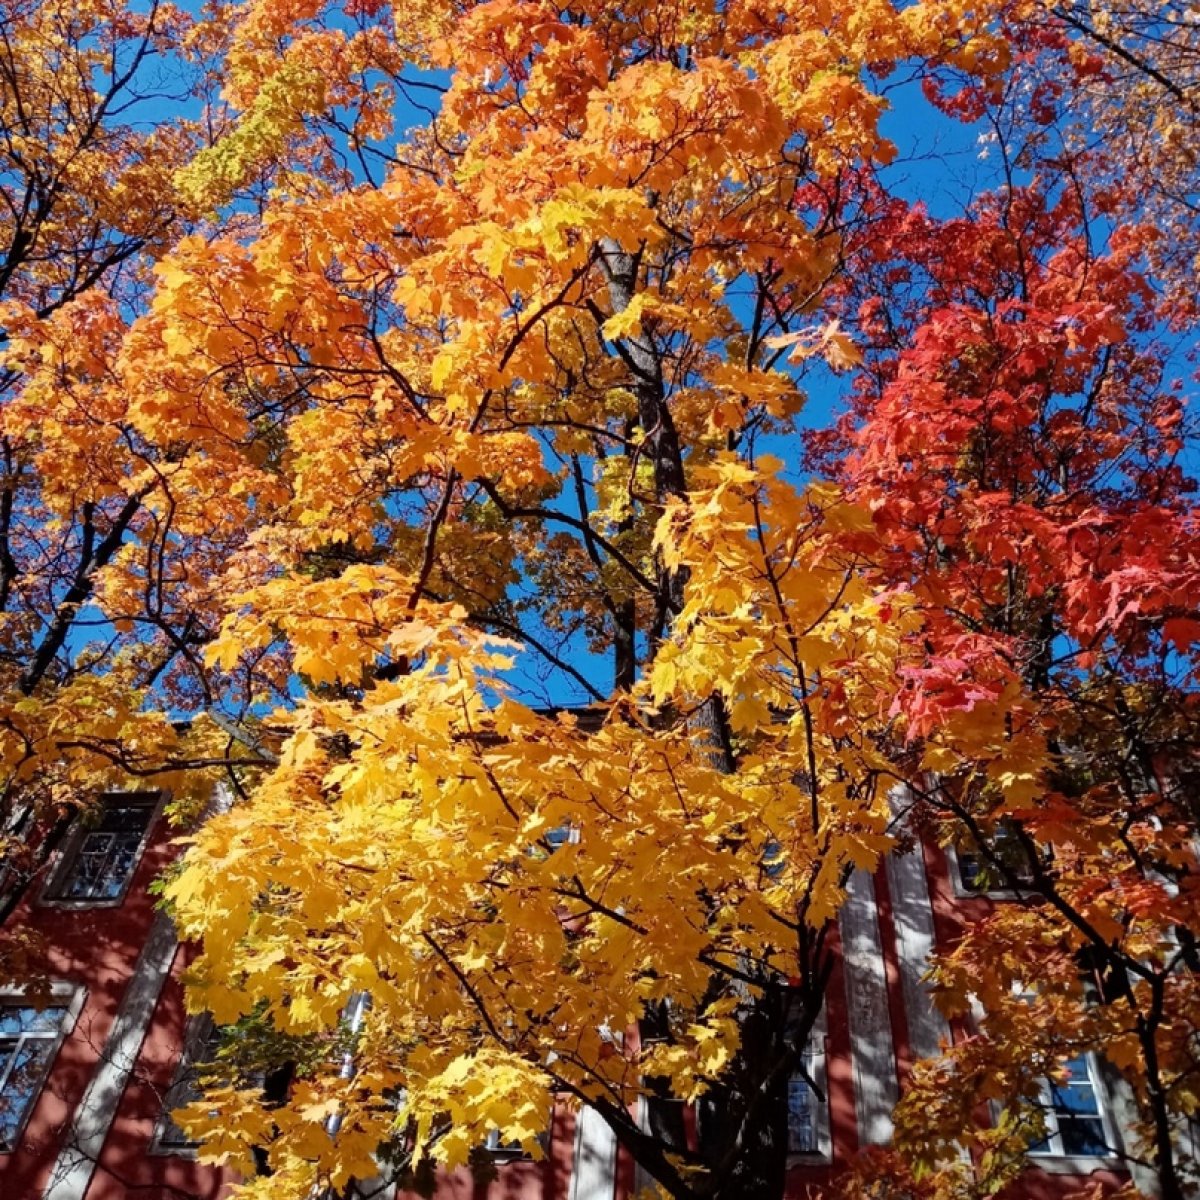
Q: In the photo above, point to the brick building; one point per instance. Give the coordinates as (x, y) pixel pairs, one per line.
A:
(85, 1084)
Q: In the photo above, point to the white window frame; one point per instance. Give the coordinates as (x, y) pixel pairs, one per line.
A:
(68, 996)
(566, 834)
(505, 1152)
(958, 883)
(51, 897)
(1050, 1155)
(1052, 1159)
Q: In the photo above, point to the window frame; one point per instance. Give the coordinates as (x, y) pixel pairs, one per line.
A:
(816, 1055)
(198, 1033)
(1054, 1161)
(961, 889)
(566, 834)
(1054, 1157)
(506, 1152)
(51, 895)
(65, 995)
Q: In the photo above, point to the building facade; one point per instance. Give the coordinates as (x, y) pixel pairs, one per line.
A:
(87, 1081)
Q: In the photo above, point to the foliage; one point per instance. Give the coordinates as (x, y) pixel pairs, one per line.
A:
(337, 445)
(87, 202)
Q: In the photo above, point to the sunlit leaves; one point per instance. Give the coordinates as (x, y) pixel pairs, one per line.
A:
(410, 425)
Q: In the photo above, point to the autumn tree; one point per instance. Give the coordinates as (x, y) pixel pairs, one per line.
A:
(1132, 96)
(398, 427)
(527, 369)
(87, 202)
(112, 521)
(1025, 450)
(122, 128)
(525, 351)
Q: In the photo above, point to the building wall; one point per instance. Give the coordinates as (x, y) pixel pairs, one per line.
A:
(127, 1160)
(90, 1133)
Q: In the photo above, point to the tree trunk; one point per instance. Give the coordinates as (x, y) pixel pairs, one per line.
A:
(745, 1136)
(743, 1124)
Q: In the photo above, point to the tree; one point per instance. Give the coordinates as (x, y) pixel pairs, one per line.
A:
(1025, 453)
(1135, 89)
(117, 137)
(87, 203)
(409, 418)
(522, 397)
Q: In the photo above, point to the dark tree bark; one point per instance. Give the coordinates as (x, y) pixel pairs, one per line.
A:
(743, 1125)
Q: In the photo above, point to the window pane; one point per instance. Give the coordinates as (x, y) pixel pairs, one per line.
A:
(496, 1146)
(970, 871)
(506, 1150)
(1082, 1135)
(180, 1094)
(124, 818)
(28, 1040)
(802, 1118)
(203, 1042)
(1042, 1147)
(1076, 1113)
(773, 858)
(1009, 860)
(1076, 1099)
(1077, 1069)
(560, 835)
(17, 1019)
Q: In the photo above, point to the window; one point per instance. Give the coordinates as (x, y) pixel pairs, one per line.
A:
(200, 1045)
(1074, 1107)
(99, 859)
(501, 1149)
(978, 875)
(807, 1109)
(29, 1040)
(808, 1120)
(773, 859)
(561, 835)
(1075, 1120)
